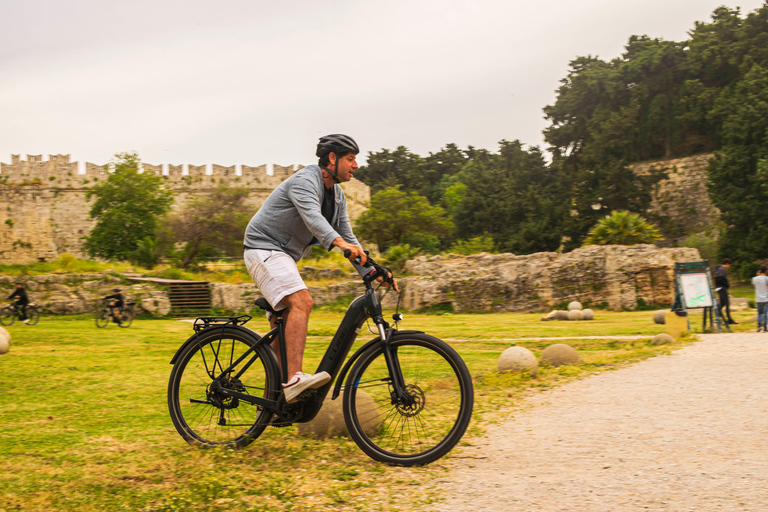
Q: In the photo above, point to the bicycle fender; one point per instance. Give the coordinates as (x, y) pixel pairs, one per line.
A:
(355, 356)
(193, 339)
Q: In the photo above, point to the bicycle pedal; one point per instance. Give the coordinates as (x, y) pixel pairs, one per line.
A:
(306, 395)
(278, 423)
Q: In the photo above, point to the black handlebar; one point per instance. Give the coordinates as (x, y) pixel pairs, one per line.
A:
(378, 270)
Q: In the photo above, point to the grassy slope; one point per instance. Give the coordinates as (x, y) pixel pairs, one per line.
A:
(85, 424)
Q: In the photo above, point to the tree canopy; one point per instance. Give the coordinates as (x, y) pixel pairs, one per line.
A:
(127, 207)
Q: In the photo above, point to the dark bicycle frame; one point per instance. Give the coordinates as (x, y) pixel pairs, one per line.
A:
(362, 308)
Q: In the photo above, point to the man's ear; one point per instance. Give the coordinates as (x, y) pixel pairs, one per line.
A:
(331, 159)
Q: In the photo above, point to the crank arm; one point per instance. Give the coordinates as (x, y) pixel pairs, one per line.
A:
(253, 400)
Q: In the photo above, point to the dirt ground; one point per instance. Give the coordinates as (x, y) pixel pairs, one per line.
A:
(685, 432)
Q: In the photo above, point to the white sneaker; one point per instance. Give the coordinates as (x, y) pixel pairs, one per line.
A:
(302, 382)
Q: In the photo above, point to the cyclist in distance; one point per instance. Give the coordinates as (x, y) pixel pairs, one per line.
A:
(115, 302)
(307, 209)
(21, 302)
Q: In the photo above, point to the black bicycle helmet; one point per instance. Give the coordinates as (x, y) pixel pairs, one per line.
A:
(336, 143)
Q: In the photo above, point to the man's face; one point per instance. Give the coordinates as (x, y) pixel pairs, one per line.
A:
(18, 286)
(726, 265)
(347, 166)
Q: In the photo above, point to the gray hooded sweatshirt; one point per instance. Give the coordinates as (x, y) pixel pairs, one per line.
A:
(290, 219)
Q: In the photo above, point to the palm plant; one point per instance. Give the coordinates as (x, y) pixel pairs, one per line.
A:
(622, 228)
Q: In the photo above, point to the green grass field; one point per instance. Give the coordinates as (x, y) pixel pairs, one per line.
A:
(85, 424)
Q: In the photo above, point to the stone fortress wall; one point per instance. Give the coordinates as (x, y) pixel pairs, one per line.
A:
(682, 197)
(44, 210)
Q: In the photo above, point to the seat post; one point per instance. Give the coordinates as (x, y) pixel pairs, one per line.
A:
(281, 341)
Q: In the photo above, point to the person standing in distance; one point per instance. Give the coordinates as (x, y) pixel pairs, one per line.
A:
(721, 287)
(760, 282)
(307, 209)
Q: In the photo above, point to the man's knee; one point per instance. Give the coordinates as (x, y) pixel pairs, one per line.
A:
(299, 301)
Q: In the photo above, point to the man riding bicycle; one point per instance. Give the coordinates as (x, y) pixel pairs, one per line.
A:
(307, 209)
(115, 304)
(21, 302)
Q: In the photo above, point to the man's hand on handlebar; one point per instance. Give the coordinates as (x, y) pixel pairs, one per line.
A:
(385, 281)
(355, 251)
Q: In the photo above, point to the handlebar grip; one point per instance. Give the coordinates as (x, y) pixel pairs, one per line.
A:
(347, 253)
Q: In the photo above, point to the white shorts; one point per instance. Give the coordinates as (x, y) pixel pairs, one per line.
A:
(275, 274)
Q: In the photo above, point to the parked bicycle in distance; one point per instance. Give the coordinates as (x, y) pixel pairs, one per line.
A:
(407, 401)
(106, 313)
(10, 313)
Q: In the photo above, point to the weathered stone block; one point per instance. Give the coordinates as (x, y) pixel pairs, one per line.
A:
(575, 314)
(588, 314)
(659, 316)
(574, 305)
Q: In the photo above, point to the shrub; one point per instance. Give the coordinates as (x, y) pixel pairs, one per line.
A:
(622, 228)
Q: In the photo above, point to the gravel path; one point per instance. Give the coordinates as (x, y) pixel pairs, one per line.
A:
(676, 433)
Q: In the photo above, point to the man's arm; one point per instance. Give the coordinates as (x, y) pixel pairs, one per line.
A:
(305, 197)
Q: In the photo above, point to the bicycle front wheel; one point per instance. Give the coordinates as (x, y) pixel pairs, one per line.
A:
(102, 318)
(200, 412)
(126, 318)
(33, 315)
(435, 415)
(6, 316)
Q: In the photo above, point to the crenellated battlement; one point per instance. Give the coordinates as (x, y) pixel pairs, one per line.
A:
(46, 206)
(60, 172)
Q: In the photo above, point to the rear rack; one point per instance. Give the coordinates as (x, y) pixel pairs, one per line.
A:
(204, 322)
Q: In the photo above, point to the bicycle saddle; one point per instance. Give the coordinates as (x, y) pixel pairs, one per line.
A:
(263, 304)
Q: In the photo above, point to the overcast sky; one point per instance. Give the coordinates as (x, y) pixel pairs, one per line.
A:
(254, 81)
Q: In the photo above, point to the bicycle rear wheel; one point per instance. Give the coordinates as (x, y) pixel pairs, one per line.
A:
(126, 318)
(6, 316)
(33, 315)
(102, 318)
(200, 413)
(434, 418)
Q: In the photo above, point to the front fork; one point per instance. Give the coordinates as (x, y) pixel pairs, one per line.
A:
(399, 395)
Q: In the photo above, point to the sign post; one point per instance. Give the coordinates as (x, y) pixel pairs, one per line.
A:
(693, 290)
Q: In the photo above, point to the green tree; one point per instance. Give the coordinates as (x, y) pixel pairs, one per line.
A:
(738, 175)
(622, 228)
(514, 198)
(127, 207)
(397, 217)
(215, 221)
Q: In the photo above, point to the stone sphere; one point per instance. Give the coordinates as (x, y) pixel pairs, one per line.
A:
(329, 422)
(661, 339)
(560, 354)
(658, 316)
(588, 314)
(5, 344)
(574, 305)
(561, 315)
(575, 314)
(549, 316)
(5, 332)
(518, 360)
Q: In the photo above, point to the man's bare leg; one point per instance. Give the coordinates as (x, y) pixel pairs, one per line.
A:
(296, 319)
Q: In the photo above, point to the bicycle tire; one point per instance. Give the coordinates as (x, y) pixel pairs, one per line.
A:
(33, 315)
(102, 318)
(422, 432)
(126, 319)
(7, 316)
(200, 424)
